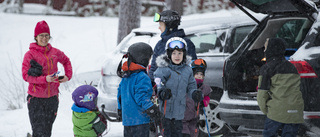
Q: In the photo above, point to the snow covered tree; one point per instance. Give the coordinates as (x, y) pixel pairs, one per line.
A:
(129, 17)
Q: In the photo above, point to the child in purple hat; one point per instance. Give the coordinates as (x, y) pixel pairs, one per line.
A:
(86, 117)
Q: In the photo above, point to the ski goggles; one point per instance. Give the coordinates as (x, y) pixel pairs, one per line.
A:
(199, 62)
(176, 45)
(156, 17)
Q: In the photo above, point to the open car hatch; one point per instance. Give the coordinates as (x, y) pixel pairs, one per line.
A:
(306, 7)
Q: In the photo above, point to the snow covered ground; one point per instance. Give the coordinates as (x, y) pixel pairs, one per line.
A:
(85, 40)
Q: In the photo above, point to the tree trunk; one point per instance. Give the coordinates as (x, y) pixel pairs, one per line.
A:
(176, 5)
(129, 17)
(20, 3)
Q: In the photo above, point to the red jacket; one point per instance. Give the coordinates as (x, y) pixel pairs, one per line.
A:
(48, 57)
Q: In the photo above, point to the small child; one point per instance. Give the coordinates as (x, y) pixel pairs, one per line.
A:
(135, 107)
(191, 115)
(86, 117)
(175, 81)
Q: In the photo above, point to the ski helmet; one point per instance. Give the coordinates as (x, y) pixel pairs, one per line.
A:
(199, 65)
(85, 96)
(176, 43)
(140, 53)
(170, 17)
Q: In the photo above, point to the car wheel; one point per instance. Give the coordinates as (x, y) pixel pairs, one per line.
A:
(216, 125)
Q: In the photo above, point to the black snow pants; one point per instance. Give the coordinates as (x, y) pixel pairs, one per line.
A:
(172, 128)
(42, 114)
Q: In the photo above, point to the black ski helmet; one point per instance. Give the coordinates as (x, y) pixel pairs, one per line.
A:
(140, 53)
(176, 43)
(199, 65)
(171, 18)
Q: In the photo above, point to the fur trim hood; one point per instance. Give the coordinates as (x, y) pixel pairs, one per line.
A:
(164, 61)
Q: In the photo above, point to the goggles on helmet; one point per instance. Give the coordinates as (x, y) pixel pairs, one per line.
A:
(176, 43)
(199, 63)
(157, 17)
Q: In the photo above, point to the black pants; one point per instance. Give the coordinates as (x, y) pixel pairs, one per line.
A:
(42, 114)
(172, 128)
(137, 131)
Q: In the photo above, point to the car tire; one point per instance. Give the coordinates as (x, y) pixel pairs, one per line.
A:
(216, 125)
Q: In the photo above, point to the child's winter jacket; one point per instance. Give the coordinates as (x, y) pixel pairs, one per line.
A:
(47, 57)
(135, 92)
(178, 78)
(86, 123)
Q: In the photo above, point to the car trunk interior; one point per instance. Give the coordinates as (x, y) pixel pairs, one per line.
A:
(243, 80)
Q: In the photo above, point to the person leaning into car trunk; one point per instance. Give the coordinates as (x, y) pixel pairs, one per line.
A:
(175, 81)
(169, 21)
(279, 96)
(39, 68)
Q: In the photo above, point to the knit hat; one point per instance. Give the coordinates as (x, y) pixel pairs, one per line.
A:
(41, 27)
(85, 96)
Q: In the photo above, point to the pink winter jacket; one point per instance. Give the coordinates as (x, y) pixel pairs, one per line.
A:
(48, 57)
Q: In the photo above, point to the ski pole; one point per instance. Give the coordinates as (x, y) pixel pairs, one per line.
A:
(164, 113)
(204, 112)
(196, 130)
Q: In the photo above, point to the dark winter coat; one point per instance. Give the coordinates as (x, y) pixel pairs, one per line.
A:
(279, 95)
(135, 92)
(48, 57)
(160, 48)
(178, 78)
(191, 111)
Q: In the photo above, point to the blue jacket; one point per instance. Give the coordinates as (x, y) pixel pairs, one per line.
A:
(160, 48)
(178, 78)
(135, 92)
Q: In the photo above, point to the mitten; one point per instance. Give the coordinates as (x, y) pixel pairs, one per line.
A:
(197, 96)
(119, 118)
(206, 101)
(154, 113)
(35, 69)
(165, 94)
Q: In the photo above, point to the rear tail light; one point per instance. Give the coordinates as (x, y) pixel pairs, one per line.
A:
(313, 117)
(304, 68)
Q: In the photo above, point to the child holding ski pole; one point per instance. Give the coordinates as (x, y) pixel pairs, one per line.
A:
(191, 115)
(86, 117)
(175, 81)
(135, 90)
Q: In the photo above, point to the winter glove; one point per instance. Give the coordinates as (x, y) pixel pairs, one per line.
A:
(119, 118)
(154, 113)
(197, 96)
(35, 69)
(165, 94)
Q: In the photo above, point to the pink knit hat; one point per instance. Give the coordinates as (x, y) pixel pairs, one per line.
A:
(41, 27)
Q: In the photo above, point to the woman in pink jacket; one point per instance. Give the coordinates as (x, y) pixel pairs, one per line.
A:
(38, 69)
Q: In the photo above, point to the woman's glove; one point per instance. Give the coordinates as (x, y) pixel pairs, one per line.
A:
(165, 94)
(197, 96)
(35, 69)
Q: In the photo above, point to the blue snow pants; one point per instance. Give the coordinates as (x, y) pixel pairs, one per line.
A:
(272, 127)
(137, 130)
(42, 114)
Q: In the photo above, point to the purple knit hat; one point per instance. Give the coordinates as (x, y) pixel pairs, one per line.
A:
(85, 96)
